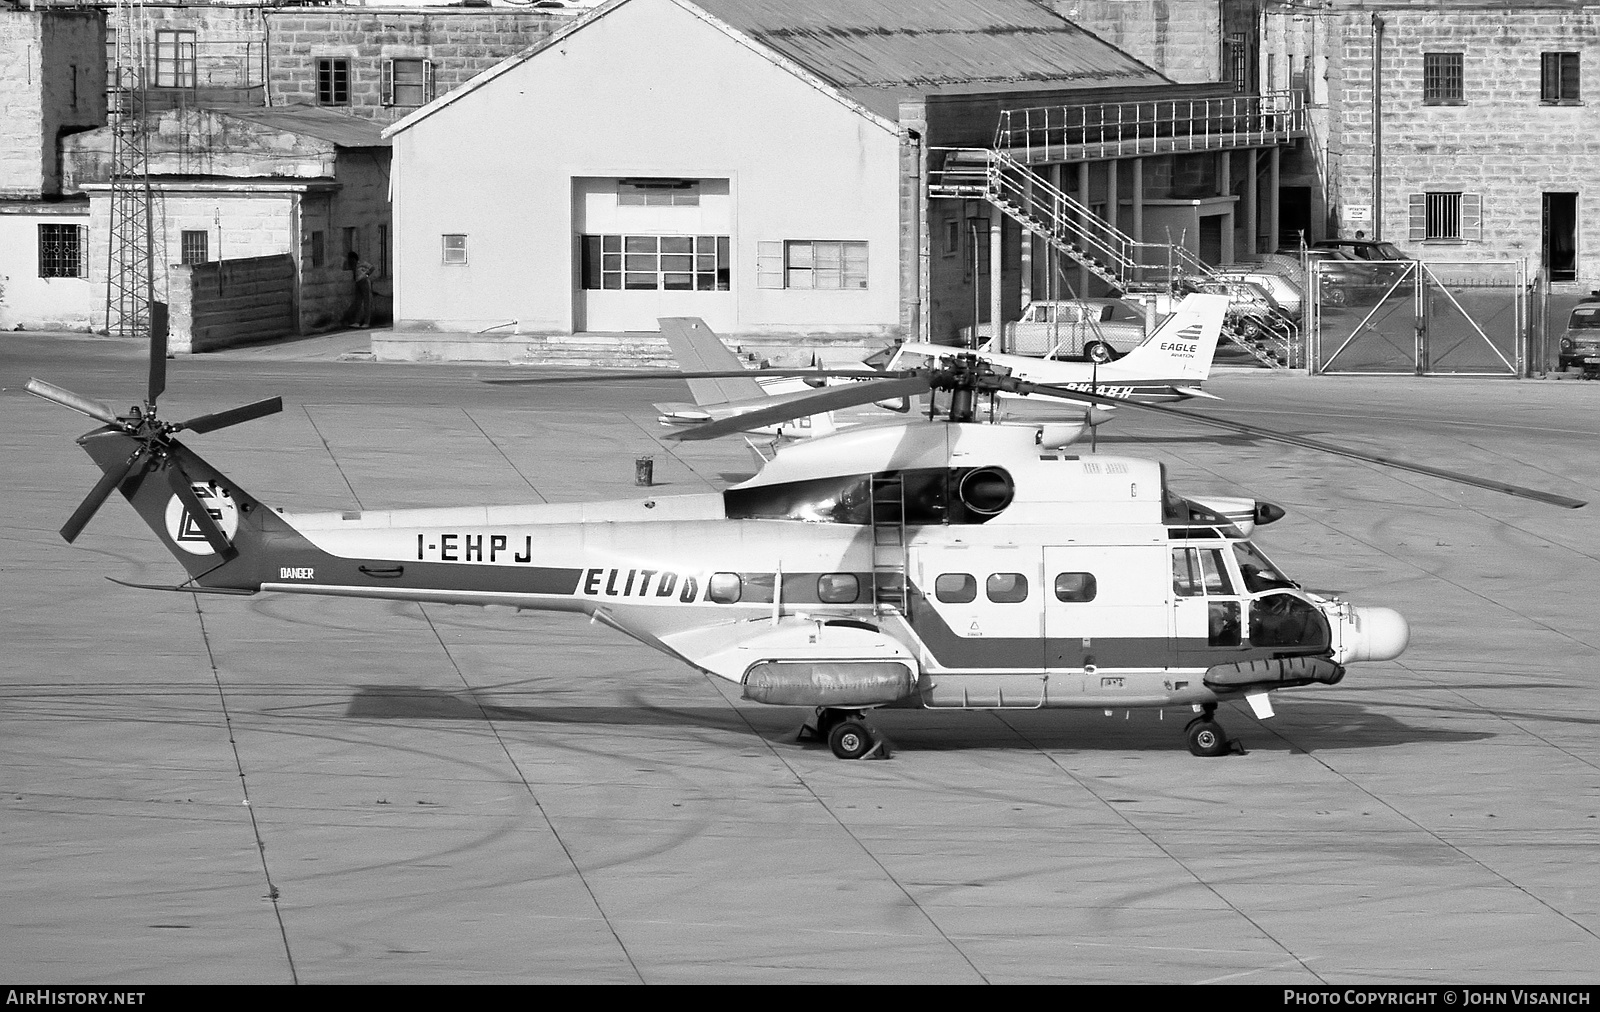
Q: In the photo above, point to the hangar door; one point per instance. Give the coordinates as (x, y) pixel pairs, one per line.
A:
(652, 247)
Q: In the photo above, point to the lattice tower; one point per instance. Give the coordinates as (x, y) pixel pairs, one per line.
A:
(130, 284)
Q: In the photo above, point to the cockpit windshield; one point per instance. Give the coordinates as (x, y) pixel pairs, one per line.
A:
(1257, 570)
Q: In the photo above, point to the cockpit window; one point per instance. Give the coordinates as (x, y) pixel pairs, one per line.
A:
(1257, 570)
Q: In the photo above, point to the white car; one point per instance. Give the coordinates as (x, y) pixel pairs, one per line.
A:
(1097, 329)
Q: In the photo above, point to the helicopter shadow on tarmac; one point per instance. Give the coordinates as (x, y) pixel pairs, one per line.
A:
(1314, 726)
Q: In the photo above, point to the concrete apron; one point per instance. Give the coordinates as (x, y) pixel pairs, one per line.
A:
(631, 350)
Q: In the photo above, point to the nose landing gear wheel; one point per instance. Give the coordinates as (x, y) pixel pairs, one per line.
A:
(1206, 738)
(850, 739)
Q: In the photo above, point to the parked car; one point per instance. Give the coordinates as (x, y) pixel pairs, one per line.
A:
(1097, 329)
(1347, 280)
(1252, 311)
(1284, 291)
(1362, 249)
(1580, 342)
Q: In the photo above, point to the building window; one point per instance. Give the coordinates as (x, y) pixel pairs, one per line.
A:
(195, 249)
(455, 249)
(952, 238)
(674, 263)
(1443, 216)
(352, 240)
(319, 252)
(658, 193)
(407, 82)
(61, 249)
(1558, 78)
(810, 264)
(333, 81)
(1442, 79)
(175, 60)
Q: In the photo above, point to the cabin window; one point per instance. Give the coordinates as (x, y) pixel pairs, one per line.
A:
(1199, 571)
(955, 588)
(1007, 588)
(725, 588)
(838, 588)
(1075, 587)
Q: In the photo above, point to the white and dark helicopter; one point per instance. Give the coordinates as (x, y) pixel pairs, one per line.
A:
(939, 563)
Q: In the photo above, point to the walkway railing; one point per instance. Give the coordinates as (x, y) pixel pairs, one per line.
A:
(1123, 129)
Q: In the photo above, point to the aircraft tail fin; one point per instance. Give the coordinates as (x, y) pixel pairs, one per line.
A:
(698, 349)
(1182, 347)
(215, 529)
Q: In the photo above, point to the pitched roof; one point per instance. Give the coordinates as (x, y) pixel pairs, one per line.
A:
(875, 52)
(878, 50)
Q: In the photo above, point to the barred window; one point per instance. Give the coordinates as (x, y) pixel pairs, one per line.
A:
(195, 246)
(1442, 80)
(811, 264)
(1558, 78)
(333, 81)
(175, 59)
(674, 263)
(1445, 216)
(61, 251)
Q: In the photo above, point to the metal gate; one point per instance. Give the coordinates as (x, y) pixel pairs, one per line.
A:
(1414, 318)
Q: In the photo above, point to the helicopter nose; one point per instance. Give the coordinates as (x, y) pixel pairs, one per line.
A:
(1375, 634)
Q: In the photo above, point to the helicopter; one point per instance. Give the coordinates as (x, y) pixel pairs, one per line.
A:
(945, 563)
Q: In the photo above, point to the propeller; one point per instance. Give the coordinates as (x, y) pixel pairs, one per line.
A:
(965, 375)
(155, 444)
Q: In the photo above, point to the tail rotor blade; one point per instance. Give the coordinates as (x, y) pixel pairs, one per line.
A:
(108, 483)
(201, 516)
(77, 402)
(233, 416)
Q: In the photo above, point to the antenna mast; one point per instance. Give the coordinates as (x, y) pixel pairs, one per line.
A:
(130, 284)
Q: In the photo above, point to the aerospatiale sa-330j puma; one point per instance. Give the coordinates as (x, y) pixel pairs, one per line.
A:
(940, 563)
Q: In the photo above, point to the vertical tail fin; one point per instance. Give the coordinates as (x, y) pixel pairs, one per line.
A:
(698, 349)
(1182, 347)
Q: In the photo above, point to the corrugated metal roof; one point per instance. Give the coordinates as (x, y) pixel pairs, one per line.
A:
(312, 121)
(933, 45)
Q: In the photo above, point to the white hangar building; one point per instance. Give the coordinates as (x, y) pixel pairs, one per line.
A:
(762, 164)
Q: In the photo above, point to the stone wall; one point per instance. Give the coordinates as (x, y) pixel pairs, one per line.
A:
(1501, 142)
(52, 83)
(1179, 38)
(230, 302)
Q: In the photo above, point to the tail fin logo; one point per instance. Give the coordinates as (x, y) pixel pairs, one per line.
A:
(218, 502)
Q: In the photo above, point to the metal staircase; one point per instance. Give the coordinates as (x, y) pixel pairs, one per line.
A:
(888, 543)
(1124, 263)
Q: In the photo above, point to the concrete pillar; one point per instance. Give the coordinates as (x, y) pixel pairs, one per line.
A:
(1252, 203)
(1273, 227)
(1083, 198)
(1137, 231)
(1025, 250)
(1225, 189)
(997, 224)
(1113, 198)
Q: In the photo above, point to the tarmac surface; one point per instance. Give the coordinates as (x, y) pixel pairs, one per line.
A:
(277, 789)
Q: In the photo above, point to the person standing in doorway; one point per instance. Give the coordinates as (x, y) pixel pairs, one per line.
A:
(360, 313)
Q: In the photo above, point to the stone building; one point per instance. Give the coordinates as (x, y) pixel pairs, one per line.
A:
(263, 135)
(1478, 142)
(784, 171)
(52, 85)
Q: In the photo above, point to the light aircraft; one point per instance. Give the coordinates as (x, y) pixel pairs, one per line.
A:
(942, 565)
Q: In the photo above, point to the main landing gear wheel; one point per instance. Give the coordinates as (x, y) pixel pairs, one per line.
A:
(1206, 737)
(1100, 352)
(850, 739)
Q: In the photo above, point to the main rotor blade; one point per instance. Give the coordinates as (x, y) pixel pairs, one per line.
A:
(108, 483)
(158, 351)
(826, 399)
(233, 416)
(195, 509)
(635, 375)
(1317, 444)
(77, 402)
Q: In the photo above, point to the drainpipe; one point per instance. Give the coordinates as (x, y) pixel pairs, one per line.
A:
(1377, 127)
